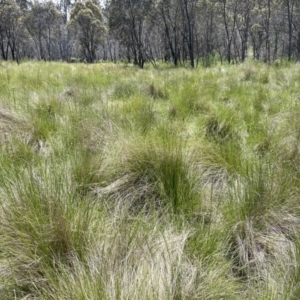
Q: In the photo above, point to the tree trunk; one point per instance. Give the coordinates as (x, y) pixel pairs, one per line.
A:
(290, 27)
(190, 27)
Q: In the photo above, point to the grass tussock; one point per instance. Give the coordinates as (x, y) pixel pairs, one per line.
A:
(117, 183)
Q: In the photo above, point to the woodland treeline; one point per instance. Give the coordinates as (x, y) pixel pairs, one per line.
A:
(139, 31)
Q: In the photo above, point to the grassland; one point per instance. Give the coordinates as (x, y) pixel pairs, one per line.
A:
(119, 183)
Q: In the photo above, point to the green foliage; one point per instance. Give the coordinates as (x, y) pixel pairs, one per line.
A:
(87, 19)
(11, 27)
(42, 22)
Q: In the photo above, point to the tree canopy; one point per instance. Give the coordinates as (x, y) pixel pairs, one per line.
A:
(87, 21)
(176, 31)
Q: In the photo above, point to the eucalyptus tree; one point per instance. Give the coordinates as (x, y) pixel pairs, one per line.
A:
(243, 25)
(290, 6)
(64, 7)
(277, 27)
(207, 28)
(11, 28)
(296, 28)
(53, 20)
(229, 13)
(188, 8)
(128, 22)
(43, 22)
(87, 22)
(265, 18)
(167, 14)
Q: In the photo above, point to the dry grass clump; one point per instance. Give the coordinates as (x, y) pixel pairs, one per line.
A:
(148, 262)
(153, 172)
(265, 254)
(10, 123)
(17, 137)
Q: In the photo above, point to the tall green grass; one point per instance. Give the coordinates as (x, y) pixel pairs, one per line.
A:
(119, 183)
